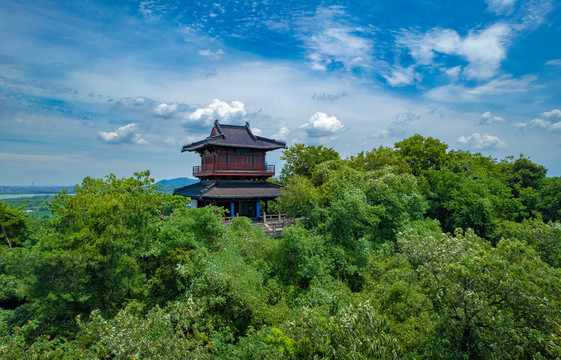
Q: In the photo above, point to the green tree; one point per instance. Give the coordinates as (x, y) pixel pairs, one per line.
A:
(379, 158)
(92, 257)
(422, 153)
(302, 160)
(548, 202)
(501, 301)
(523, 172)
(14, 225)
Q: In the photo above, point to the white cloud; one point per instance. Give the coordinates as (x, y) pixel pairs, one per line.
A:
(500, 6)
(401, 76)
(548, 125)
(320, 125)
(477, 141)
(151, 8)
(555, 127)
(554, 62)
(484, 50)
(422, 46)
(502, 85)
(165, 109)
(552, 113)
(124, 134)
(332, 42)
(453, 72)
(488, 118)
(212, 55)
(217, 110)
(282, 134)
(541, 123)
(256, 131)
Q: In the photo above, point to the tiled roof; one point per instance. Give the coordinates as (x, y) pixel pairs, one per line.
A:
(239, 136)
(230, 190)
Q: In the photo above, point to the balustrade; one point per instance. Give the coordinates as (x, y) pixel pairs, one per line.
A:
(216, 168)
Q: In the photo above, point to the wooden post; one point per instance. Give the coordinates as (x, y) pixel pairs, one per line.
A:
(264, 218)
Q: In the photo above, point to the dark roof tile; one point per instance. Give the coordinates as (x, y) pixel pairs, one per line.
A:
(230, 190)
(235, 136)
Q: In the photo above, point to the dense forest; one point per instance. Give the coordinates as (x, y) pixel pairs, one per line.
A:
(411, 252)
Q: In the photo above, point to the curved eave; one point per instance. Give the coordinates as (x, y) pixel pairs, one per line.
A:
(191, 147)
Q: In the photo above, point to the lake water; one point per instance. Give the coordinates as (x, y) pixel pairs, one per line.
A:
(15, 196)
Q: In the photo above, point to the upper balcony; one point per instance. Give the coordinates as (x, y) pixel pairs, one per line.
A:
(218, 169)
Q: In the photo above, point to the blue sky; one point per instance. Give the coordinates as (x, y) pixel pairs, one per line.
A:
(96, 87)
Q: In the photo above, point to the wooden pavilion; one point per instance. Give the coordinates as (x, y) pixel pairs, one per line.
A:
(233, 171)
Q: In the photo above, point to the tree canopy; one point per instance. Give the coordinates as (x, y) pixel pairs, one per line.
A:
(410, 252)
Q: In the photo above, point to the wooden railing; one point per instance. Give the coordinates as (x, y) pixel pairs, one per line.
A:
(222, 167)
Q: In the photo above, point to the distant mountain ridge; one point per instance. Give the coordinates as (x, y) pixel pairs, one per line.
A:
(52, 189)
(168, 185)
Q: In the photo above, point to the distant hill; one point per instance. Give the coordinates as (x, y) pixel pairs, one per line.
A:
(169, 185)
(34, 189)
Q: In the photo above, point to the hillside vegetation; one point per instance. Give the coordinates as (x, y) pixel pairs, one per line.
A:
(410, 252)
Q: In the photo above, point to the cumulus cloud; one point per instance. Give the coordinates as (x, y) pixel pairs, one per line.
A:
(165, 110)
(541, 123)
(477, 141)
(500, 6)
(487, 118)
(548, 121)
(124, 134)
(282, 134)
(320, 125)
(256, 131)
(212, 55)
(331, 42)
(216, 110)
(552, 113)
(484, 50)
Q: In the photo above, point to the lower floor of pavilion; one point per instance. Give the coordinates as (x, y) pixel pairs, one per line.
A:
(239, 198)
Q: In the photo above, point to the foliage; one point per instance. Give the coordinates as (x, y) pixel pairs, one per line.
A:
(380, 158)
(92, 256)
(35, 206)
(502, 301)
(301, 159)
(548, 203)
(14, 225)
(422, 153)
(411, 252)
